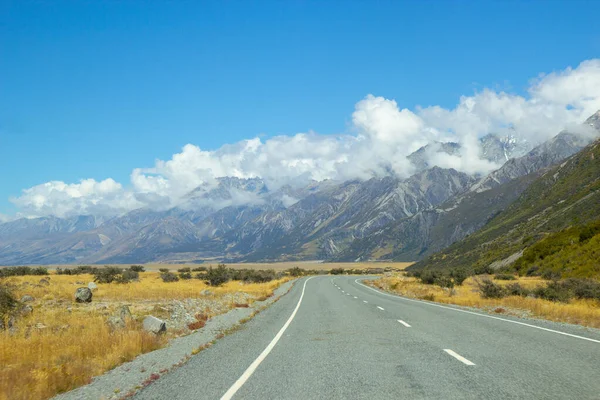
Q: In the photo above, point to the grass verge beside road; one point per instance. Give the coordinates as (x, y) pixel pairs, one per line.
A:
(60, 344)
(584, 312)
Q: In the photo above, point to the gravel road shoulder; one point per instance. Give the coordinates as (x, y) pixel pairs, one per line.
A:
(131, 376)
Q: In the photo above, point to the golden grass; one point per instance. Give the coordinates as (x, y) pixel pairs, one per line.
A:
(62, 344)
(582, 312)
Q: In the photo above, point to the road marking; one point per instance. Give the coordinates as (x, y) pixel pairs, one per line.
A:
(250, 370)
(459, 357)
(355, 297)
(364, 301)
(480, 315)
(381, 308)
(404, 323)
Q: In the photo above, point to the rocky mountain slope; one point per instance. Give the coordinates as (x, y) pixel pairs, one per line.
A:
(566, 195)
(245, 220)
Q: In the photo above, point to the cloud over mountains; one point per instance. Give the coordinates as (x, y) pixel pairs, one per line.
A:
(382, 135)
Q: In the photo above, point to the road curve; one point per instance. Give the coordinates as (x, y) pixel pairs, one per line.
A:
(334, 338)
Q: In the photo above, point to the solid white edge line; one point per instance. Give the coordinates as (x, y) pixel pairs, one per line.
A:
(404, 323)
(480, 315)
(250, 370)
(459, 357)
(381, 308)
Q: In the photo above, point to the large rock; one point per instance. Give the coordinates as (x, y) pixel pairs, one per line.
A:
(27, 298)
(154, 325)
(44, 282)
(92, 286)
(83, 295)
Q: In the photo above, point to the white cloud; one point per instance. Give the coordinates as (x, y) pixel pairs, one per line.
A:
(383, 135)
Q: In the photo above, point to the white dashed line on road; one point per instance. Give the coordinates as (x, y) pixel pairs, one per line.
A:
(381, 308)
(459, 357)
(355, 297)
(364, 301)
(404, 323)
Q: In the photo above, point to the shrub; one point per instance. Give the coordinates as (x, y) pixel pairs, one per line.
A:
(554, 291)
(252, 276)
(163, 270)
(504, 277)
(22, 271)
(82, 269)
(533, 271)
(128, 276)
(429, 277)
(491, 290)
(551, 275)
(8, 304)
(514, 289)
(483, 270)
(445, 282)
(196, 325)
(107, 274)
(185, 275)
(137, 268)
(296, 271)
(459, 275)
(199, 269)
(337, 271)
(184, 270)
(169, 277)
(217, 276)
(583, 288)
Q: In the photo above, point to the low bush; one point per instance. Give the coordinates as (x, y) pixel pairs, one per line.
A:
(8, 304)
(296, 271)
(337, 271)
(127, 276)
(114, 274)
(505, 277)
(459, 275)
(483, 270)
(137, 268)
(199, 269)
(534, 270)
(80, 270)
(185, 275)
(217, 276)
(429, 277)
(551, 275)
(169, 277)
(554, 291)
(584, 288)
(107, 274)
(22, 271)
(163, 270)
(184, 270)
(490, 290)
(514, 289)
(444, 281)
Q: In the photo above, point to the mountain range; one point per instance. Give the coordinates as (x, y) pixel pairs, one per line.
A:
(386, 218)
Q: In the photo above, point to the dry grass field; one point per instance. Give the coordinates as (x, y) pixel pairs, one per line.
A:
(582, 312)
(63, 344)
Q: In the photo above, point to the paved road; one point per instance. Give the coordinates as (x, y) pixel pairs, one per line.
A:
(333, 338)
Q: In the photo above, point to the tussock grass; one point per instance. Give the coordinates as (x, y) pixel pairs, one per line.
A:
(62, 344)
(582, 312)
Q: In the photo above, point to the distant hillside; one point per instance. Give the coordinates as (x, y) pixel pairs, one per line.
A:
(565, 196)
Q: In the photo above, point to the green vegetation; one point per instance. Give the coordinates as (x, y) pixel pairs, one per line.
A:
(114, 274)
(561, 291)
(555, 223)
(22, 271)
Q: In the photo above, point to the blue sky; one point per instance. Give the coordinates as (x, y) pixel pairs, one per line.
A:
(96, 89)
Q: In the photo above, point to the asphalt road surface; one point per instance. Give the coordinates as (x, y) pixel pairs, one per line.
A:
(334, 338)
